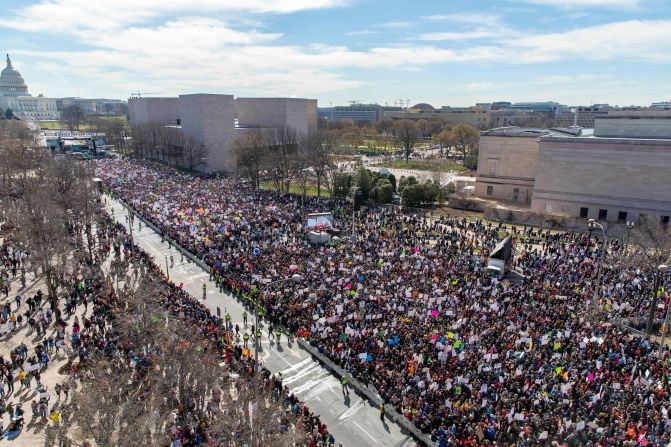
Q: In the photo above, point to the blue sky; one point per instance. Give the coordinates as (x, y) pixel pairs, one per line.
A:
(445, 52)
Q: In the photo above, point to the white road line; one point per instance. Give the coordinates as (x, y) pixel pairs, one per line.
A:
(306, 372)
(367, 434)
(297, 366)
(351, 411)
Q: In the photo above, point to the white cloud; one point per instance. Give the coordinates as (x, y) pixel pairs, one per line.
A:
(399, 24)
(634, 39)
(363, 32)
(70, 15)
(477, 33)
(575, 4)
(135, 46)
(474, 19)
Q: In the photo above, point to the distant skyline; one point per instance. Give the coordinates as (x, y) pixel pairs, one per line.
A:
(444, 52)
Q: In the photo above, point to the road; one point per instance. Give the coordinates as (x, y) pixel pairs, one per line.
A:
(353, 422)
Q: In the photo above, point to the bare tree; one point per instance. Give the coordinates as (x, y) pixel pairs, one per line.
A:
(407, 135)
(651, 243)
(73, 115)
(322, 147)
(466, 140)
(282, 143)
(251, 154)
(193, 152)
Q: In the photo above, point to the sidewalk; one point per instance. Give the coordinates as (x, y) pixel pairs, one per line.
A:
(353, 422)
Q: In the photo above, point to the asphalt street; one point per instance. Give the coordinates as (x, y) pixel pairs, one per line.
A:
(353, 421)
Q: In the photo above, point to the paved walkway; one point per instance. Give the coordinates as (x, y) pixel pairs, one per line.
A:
(353, 422)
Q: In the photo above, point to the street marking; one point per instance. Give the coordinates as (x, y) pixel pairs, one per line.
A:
(309, 370)
(297, 366)
(311, 383)
(351, 411)
(367, 434)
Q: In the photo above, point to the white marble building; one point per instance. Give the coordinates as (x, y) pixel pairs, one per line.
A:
(14, 95)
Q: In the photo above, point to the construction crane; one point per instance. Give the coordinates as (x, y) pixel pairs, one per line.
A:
(139, 94)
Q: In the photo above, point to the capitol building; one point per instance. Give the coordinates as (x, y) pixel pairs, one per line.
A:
(14, 95)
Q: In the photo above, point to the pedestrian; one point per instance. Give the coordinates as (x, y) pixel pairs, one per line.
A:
(382, 411)
(345, 389)
(244, 319)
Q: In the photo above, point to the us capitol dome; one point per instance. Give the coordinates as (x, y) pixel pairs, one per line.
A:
(11, 81)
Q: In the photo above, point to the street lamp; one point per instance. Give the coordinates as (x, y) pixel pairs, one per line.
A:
(591, 224)
(630, 226)
(662, 268)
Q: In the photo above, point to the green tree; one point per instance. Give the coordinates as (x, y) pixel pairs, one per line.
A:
(341, 184)
(382, 192)
(363, 181)
(9, 114)
(406, 181)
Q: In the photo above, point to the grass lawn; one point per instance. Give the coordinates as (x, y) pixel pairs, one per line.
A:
(296, 189)
(62, 125)
(83, 127)
(424, 165)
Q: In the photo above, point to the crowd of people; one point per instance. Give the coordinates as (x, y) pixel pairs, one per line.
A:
(406, 306)
(86, 333)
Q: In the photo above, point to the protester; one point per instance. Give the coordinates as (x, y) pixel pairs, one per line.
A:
(408, 308)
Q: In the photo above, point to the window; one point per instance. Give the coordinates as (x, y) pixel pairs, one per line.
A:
(664, 220)
(603, 214)
(491, 166)
(622, 216)
(584, 212)
(516, 194)
(179, 122)
(490, 190)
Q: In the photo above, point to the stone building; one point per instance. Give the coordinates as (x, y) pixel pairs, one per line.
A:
(217, 121)
(14, 95)
(507, 163)
(617, 172)
(478, 117)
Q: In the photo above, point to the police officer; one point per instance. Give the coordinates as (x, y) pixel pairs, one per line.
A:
(244, 318)
(345, 389)
(245, 339)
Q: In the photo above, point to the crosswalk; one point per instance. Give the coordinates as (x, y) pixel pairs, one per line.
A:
(353, 421)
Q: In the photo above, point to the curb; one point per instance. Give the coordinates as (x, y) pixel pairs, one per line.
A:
(406, 426)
